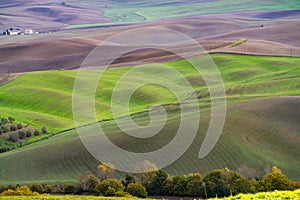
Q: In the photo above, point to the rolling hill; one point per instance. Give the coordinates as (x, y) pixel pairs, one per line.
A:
(261, 128)
(257, 141)
(52, 15)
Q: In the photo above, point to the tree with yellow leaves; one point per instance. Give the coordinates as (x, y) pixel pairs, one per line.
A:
(107, 170)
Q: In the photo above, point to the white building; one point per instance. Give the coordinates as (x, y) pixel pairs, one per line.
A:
(28, 31)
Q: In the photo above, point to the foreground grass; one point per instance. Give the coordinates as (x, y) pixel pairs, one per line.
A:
(278, 195)
(67, 198)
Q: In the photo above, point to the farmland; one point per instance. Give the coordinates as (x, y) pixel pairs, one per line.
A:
(261, 129)
(245, 77)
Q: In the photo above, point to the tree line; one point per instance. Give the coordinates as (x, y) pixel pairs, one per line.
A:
(217, 183)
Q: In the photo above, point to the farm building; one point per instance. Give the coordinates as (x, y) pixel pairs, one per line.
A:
(28, 31)
(12, 31)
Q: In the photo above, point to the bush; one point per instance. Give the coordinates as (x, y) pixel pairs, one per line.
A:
(136, 189)
(21, 135)
(109, 187)
(13, 128)
(36, 188)
(11, 119)
(13, 137)
(277, 181)
(20, 191)
(19, 126)
(69, 189)
(36, 133)
(28, 134)
(44, 130)
(91, 183)
(5, 129)
(4, 120)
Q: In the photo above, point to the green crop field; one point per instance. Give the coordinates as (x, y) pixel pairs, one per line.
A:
(260, 130)
(124, 12)
(278, 195)
(46, 97)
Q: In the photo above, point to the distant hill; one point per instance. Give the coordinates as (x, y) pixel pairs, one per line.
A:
(50, 15)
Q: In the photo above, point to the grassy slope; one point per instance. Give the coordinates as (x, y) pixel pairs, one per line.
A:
(138, 11)
(45, 98)
(259, 139)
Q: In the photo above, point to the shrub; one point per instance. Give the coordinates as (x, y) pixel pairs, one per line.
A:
(4, 120)
(13, 137)
(11, 119)
(44, 130)
(5, 129)
(69, 189)
(22, 135)
(20, 191)
(36, 188)
(109, 187)
(28, 134)
(91, 183)
(276, 180)
(136, 189)
(48, 189)
(36, 133)
(13, 128)
(19, 126)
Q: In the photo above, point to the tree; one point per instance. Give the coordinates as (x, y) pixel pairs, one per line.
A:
(11, 119)
(44, 130)
(13, 128)
(21, 135)
(36, 188)
(157, 184)
(3, 120)
(107, 169)
(28, 134)
(128, 179)
(19, 126)
(109, 187)
(147, 171)
(195, 185)
(137, 190)
(36, 133)
(216, 184)
(5, 129)
(179, 185)
(13, 137)
(69, 189)
(91, 183)
(276, 180)
(241, 185)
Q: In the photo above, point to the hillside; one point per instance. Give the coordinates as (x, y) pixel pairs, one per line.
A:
(53, 15)
(249, 139)
(261, 128)
(47, 96)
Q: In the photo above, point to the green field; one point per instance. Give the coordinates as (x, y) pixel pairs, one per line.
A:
(45, 98)
(278, 195)
(124, 12)
(261, 128)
